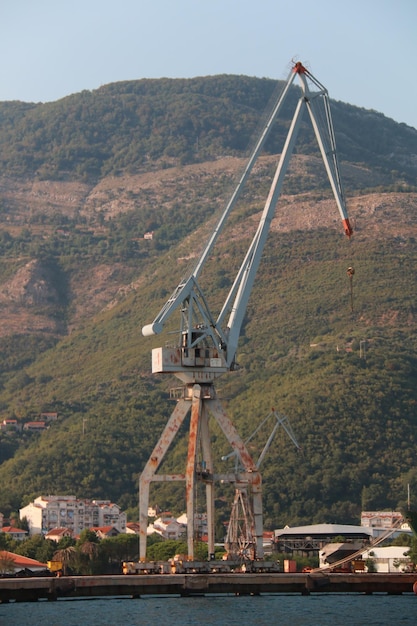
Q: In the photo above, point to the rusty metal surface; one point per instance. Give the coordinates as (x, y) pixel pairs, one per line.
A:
(190, 473)
(173, 425)
(202, 400)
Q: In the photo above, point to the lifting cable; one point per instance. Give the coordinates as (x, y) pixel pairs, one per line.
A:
(350, 270)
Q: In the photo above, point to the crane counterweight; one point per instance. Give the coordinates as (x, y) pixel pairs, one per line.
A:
(152, 329)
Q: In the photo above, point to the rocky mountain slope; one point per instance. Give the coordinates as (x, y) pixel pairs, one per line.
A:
(28, 295)
(78, 279)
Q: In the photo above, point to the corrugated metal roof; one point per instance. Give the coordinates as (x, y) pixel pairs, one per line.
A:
(323, 529)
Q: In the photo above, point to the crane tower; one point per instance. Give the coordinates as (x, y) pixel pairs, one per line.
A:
(206, 346)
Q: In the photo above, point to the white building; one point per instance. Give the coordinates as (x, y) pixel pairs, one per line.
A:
(389, 559)
(48, 512)
(200, 524)
(382, 522)
(15, 533)
(167, 526)
(380, 519)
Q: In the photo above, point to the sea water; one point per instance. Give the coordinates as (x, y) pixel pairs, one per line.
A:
(265, 610)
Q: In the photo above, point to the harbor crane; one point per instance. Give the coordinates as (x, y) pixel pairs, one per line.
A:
(240, 540)
(206, 346)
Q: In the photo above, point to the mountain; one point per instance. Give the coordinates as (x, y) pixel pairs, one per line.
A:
(146, 125)
(83, 179)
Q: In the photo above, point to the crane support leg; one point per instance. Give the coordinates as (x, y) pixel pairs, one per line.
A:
(208, 478)
(190, 473)
(199, 441)
(199, 468)
(254, 475)
(154, 461)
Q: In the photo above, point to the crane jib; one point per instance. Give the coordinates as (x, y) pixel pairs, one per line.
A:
(226, 336)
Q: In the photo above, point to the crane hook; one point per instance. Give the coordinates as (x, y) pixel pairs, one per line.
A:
(350, 272)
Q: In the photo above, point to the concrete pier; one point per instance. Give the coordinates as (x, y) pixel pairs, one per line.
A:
(135, 586)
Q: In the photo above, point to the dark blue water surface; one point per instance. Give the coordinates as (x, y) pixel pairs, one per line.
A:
(291, 610)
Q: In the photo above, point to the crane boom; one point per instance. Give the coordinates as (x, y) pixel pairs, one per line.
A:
(280, 420)
(198, 328)
(182, 291)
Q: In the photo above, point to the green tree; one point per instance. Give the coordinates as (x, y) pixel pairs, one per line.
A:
(6, 542)
(370, 565)
(37, 547)
(87, 536)
(6, 563)
(87, 554)
(412, 553)
(67, 556)
(115, 550)
(164, 550)
(403, 539)
(65, 542)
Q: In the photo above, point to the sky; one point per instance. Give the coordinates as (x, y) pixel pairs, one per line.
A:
(363, 51)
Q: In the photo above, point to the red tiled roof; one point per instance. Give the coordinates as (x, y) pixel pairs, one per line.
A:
(12, 529)
(22, 561)
(58, 531)
(103, 529)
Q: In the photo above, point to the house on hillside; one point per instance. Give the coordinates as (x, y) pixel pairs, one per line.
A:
(104, 532)
(50, 416)
(200, 522)
(110, 514)
(16, 533)
(9, 424)
(56, 534)
(35, 426)
(132, 528)
(167, 526)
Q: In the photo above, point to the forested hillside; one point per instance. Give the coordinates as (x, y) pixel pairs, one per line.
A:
(150, 124)
(83, 179)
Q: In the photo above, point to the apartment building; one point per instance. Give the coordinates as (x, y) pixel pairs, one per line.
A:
(48, 512)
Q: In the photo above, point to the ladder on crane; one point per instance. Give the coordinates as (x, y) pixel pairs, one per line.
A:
(207, 346)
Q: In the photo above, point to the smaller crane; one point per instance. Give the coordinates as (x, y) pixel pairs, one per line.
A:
(240, 540)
